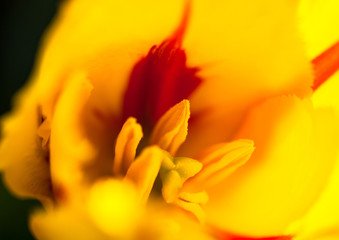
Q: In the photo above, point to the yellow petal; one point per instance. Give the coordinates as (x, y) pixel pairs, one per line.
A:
(220, 161)
(106, 36)
(70, 148)
(327, 94)
(109, 211)
(318, 22)
(171, 130)
(64, 223)
(322, 219)
(24, 161)
(126, 146)
(144, 170)
(171, 223)
(295, 152)
(262, 32)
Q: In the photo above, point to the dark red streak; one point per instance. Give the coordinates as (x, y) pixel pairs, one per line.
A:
(325, 65)
(226, 235)
(263, 238)
(160, 80)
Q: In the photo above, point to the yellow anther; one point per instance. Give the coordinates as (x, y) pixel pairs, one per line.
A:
(144, 170)
(219, 162)
(171, 130)
(126, 146)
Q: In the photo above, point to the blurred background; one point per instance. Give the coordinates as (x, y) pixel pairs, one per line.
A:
(22, 24)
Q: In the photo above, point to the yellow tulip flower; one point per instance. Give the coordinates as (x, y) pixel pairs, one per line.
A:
(181, 120)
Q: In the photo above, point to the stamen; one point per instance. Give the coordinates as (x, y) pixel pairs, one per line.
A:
(220, 161)
(174, 173)
(144, 170)
(171, 130)
(126, 146)
(325, 65)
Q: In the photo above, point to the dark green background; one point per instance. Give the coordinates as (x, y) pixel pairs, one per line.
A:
(22, 25)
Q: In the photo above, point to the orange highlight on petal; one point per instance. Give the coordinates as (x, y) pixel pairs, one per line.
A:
(325, 65)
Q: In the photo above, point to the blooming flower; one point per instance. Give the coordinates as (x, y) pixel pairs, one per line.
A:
(152, 120)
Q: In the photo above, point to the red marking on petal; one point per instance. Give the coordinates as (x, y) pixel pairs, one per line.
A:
(60, 194)
(250, 238)
(325, 65)
(160, 80)
(224, 235)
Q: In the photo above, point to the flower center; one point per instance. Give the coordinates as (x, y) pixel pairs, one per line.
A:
(160, 80)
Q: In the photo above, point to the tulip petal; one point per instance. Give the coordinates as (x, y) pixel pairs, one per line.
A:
(70, 148)
(295, 152)
(321, 221)
(65, 223)
(106, 37)
(24, 159)
(108, 212)
(318, 22)
(327, 94)
(246, 51)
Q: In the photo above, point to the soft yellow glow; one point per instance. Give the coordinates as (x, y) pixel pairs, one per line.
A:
(113, 206)
(68, 222)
